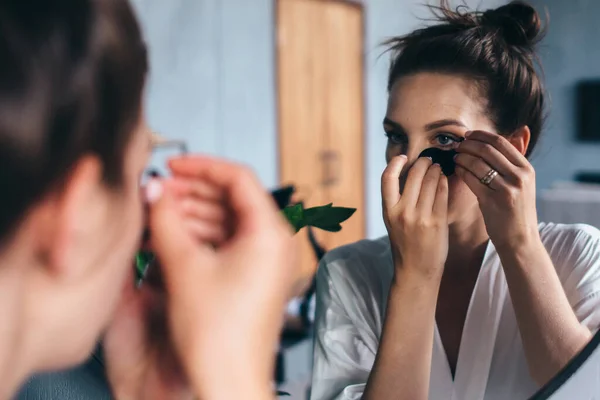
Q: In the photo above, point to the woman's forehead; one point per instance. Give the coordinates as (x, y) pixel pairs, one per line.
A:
(426, 97)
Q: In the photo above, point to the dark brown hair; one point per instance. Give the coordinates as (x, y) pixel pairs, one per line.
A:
(495, 48)
(71, 80)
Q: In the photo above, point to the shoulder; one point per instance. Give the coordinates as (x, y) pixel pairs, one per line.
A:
(364, 255)
(575, 253)
(363, 249)
(364, 267)
(570, 239)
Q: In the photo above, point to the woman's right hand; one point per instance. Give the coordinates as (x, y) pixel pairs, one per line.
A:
(223, 303)
(417, 219)
(226, 303)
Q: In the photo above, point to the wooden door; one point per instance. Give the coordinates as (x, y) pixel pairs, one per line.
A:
(321, 109)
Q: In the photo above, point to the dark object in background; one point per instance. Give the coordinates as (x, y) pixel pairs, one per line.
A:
(443, 157)
(588, 177)
(283, 196)
(588, 105)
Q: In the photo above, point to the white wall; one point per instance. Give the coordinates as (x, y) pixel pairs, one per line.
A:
(212, 79)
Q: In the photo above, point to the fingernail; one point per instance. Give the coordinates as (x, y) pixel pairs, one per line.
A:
(468, 134)
(154, 191)
(455, 156)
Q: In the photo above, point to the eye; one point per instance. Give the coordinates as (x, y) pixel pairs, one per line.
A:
(446, 140)
(395, 138)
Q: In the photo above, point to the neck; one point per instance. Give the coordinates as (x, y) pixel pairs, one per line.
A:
(467, 237)
(13, 360)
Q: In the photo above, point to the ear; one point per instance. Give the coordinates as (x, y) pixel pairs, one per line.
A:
(520, 139)
(62, 217)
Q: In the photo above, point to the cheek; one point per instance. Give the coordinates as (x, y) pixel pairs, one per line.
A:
(135, 212)
(130, 211)
(459, 194)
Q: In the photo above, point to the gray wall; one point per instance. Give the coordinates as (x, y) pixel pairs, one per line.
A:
(212, 79)
(570, 52)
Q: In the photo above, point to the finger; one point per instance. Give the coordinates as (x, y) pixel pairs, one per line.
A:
(479, 189)
(490, 155)
(202, 189)
(390, 181)
(207, 232)
(475, 165)
(479, 169)
(208, 211)
(440, 205)
(501, 144)
(182, 258)
(185, 186)
(243, 193)
(429, 189)
(414, 181)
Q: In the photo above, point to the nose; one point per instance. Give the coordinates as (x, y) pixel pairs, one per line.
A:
(412, 153)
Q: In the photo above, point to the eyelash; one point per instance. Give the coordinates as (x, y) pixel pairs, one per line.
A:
(399, 139)
(395, 138)
(455, 141)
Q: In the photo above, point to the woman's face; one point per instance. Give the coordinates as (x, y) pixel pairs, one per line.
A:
(434, 110)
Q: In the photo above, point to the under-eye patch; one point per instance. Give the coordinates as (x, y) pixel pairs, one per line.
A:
(445, 158)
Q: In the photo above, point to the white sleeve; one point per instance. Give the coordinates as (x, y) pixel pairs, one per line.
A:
(579, 259)
(342, 356)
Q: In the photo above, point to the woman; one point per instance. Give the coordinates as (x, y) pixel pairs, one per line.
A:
(73, 147)
(506, 301)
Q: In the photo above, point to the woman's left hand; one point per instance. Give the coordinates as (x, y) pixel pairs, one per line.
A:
(507, 202)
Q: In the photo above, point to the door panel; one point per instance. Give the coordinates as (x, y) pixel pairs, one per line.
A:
(321, 109)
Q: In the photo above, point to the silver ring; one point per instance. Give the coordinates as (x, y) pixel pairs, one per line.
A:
(489, 177)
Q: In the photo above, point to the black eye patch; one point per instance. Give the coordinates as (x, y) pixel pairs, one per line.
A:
(443, 157)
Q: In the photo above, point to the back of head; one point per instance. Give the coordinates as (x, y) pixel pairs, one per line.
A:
(71, 81)
(495, 48)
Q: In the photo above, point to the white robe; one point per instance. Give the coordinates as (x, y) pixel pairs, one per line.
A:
(352, 287)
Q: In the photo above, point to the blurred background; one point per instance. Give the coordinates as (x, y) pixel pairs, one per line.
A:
(296, 90)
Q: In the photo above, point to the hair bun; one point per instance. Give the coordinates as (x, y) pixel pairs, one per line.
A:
(518, 22)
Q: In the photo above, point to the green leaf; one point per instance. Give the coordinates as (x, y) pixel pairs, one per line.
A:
(295, 215)
(333, 228)
(315, 214)
(325, 217)
(142, 259)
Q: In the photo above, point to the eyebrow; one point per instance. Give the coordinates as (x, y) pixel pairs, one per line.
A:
(444, 122)
(430, 126)
(387, 121)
